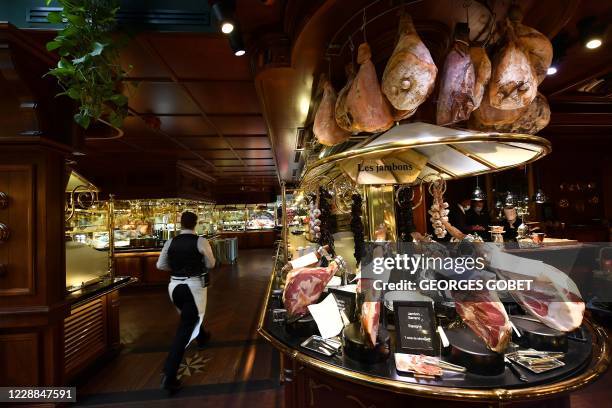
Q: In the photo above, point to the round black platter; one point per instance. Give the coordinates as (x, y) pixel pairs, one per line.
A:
(538, 336)
(576, 359)
(357, 347)
(305, 326)
(469, 351)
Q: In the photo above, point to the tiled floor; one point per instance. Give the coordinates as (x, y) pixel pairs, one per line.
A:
(238, 369)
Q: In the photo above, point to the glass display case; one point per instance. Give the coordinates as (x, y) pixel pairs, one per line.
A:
(232, 218)
(149, 223)
(261, 216)
(86, 234)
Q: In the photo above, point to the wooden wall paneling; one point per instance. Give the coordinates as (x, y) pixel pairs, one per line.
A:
(113, 331)
(17, 181)
(151, 273)
(129, 266)
(19, 359)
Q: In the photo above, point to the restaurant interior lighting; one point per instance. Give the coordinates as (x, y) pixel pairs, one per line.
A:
(224, 11)
(551, 71)
(593, 43)
(478, 194)
(236, 42)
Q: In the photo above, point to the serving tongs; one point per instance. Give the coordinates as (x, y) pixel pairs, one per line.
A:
(445, 365)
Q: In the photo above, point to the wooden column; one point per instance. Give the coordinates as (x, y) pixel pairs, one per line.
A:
(33, 282)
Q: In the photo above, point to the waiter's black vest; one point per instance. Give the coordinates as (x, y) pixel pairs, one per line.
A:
(184, 257)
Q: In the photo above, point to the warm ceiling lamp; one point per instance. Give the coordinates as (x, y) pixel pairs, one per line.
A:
(593, 43)
(551, 71)
(223, 11)
(237, 44)
(591, 32)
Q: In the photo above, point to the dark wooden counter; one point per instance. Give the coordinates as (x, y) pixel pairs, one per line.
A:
(250, 239)
(313, 380)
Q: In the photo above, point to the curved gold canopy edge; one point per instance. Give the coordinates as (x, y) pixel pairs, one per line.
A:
(422, 135)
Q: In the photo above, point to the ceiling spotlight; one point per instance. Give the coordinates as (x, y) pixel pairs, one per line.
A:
(236, 42)
(551, 71)
(227, 27)
(593, 43)
(223, 10)
(591, 30)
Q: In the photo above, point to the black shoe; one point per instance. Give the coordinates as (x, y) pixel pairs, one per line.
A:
(171, 385)
(203, 339)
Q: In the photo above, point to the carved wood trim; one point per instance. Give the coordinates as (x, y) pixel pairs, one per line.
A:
(23, 230)
(312, 386)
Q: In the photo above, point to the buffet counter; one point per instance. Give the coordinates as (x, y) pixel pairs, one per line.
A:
(315, 380)
(248, 239)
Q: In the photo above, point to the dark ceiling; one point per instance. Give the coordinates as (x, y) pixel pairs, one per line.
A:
(237, 119)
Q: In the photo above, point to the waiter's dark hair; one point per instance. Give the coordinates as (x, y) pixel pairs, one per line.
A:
(188, 220)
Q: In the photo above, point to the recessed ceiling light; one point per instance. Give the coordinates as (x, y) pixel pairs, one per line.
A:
(227, 27)
(593, 43)
(239, 53)
(551, 71)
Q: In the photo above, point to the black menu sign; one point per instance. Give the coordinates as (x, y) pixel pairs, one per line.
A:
(416, 328)
(345, 300)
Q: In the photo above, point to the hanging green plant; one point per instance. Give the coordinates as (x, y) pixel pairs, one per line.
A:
(89, 70)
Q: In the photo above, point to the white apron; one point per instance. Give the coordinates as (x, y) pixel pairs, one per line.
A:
(199, 295)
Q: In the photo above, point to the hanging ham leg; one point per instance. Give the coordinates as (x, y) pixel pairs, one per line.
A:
(325, 128)
(485, 315)
(410, 74)
(304, 286)
(513, 80)
(365, 108)
(530, 120)
(482, 69)
(486, 115)
(456, 96)
(343, 119)
(537, 46)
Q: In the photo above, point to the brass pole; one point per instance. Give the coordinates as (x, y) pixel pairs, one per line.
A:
(285, 230)
(111, 234)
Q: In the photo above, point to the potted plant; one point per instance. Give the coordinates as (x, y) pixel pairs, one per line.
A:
(88, 70)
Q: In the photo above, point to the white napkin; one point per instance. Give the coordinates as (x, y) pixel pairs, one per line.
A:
(327, 316)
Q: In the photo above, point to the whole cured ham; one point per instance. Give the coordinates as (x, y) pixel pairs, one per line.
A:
(325, 128)
(304, 286)
(342, 115)
(482, 70)
(553, 299)
(456, 95)
(410, 73)
(537, 46)
(364, 109)
(514, 82)
(485, 315)
(530, 120)
(486, 115)
(370, 314)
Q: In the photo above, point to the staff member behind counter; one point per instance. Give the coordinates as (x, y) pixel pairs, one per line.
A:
(188, 257)
(478, 219)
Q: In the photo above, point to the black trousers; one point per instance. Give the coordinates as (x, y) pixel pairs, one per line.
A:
(183, 299)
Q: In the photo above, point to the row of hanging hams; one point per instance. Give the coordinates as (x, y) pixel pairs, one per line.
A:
(499, 95)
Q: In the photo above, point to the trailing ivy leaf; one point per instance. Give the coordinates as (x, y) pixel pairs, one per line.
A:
(76, 19)
(97, 50)
(80, 60)
(53, 45)
(74, 93)
(115, 119)
(54, 17)
(119, 99)
(82, 119)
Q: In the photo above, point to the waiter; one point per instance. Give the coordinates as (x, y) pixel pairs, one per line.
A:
(188, 257)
